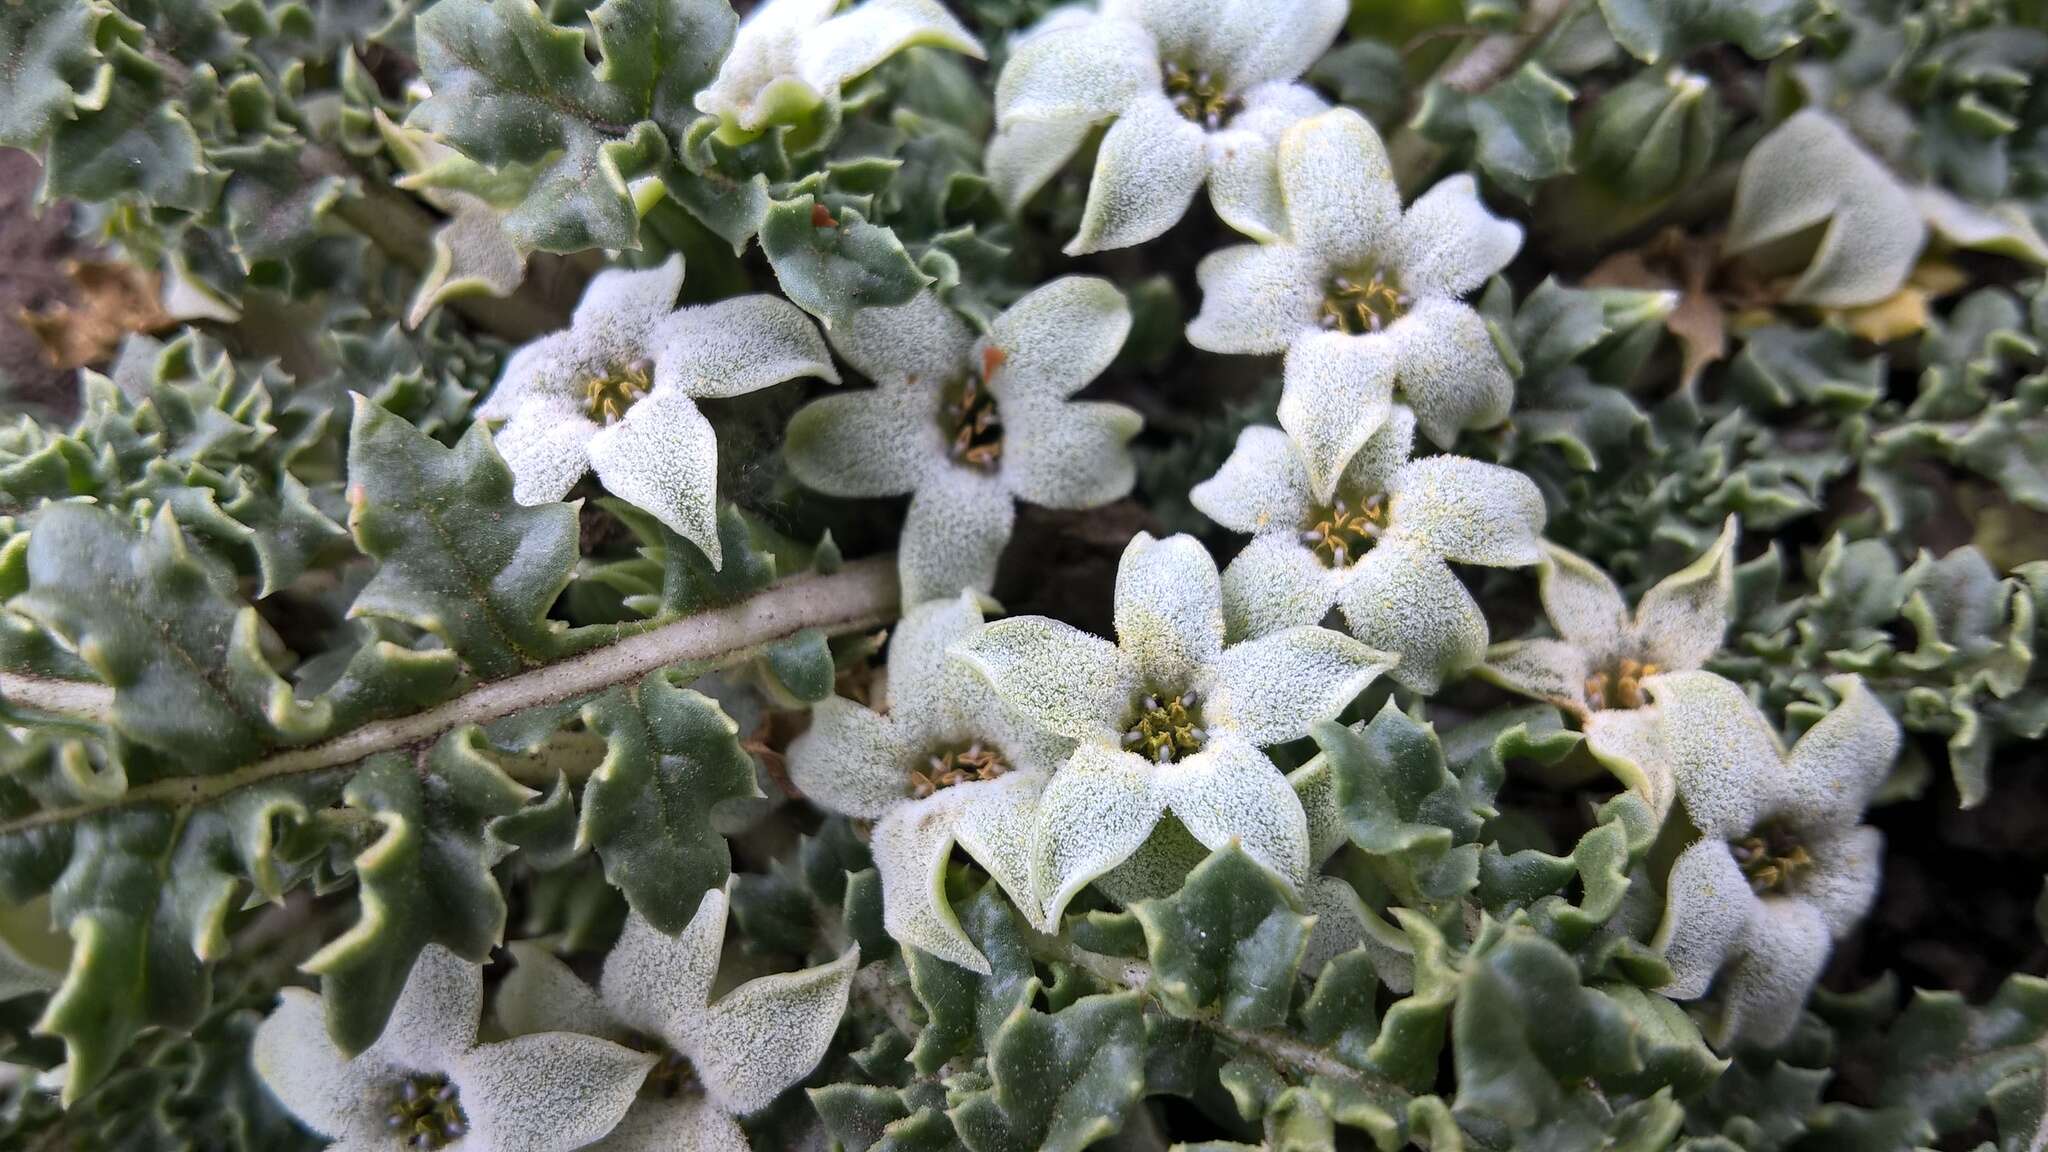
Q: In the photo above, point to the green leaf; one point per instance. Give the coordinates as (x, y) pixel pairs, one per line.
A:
(1342, 1013)
(1061, 1082)
(832, 264)
(1812, 367)
(458, 557)
(135, 142)
(660, 52)
(510, 86)
(425, 877)
(1659, 30)
(672, 757)
(1519, 130)
(1229, 942)
(963, 1009)
(50, 68)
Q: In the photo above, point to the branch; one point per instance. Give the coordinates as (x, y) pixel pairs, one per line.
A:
(858, 597)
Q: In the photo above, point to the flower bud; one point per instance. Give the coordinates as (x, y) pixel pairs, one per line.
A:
(1654, 135)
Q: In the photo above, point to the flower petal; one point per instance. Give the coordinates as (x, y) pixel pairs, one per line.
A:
(768, 1033)
(1338, 391)
(1256, 41)
(1084, 71)
(1151, 162)
(1071, 453)
(1450, 243)
(1024, 154)
(1838, 765)
(1683, 617)
(657, 984)
(1630, 742)
(1256, 298)
(1371, 472)
(1468, 511)
(1707, 905)
(546, 367)
(1244, 159)
(1406, 602)
(1158, 869)
(1722, 753)
(549, 1092)
(922, 340)
(1169, 610)
(1451, 374)
(994, 822)
(911, 846)
(1276, 583)
(1273, 689)
(1582, 603)
(954, 534)
(541, 994)
(1262, 487)
(1097, 809)
(1231, 791)
(685, 1123)
(1341, 200)
(1842, 884)
(616, 320)
(1783, 954)
(1051, 343)
(1059, 677)
(854, 42)
(923, 678)
(738, 346)
(546, 444)
(1553, 670)
(851, 760)
(879, 442)
(333, 1095)
(663, 458)
(435, 1017)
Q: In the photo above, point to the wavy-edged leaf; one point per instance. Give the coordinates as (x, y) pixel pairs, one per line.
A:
(1061, 1082)
(1229, 942)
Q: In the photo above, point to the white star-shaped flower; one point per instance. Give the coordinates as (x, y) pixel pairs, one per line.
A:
(427, 1085)
(1596, 666)
(714, 1061)
(1169, 719)
(1376, 547)
(946, 763)
(971, 426)
(1784, 866)
(616, 393)
(1364, 299)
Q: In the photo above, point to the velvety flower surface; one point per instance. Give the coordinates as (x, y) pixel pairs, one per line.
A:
(1169, 719)
(1596, 665)
(616, 393)
(1193, 91)
(1376, 547)
(714, 1060)
(970, 426)
(427, 1084)
(945, 762)
(1365, 299)
(1784, 866)
(790, 56)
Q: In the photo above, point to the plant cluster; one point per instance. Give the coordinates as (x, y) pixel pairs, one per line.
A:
(679, 577)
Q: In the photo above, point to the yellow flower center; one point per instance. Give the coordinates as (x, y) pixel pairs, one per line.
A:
(1166, 729)
(1200, 96)
(1363, 303)
(950, 766)
(606, 398)
(426, 1114)
(1345, 530)
(1619, 686)
(1772, 858)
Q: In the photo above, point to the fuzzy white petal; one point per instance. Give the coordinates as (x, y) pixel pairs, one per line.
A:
(1150, 165)
(1630, 743)
(922, 340)
(768, 1033)
(1451, 373)
(1257, 298)
(1024, 154)
(954, 534)
(1060, 678)
(854, 42)
(1783, 954)
(1096, 811)
(850, 760)
(1544, 668)
(764, 50)
(738, 346)
(1070, 454)
(1273, 689)
(1231, 791)
(339, 1098)
(1582, 602)
(657, 984)
(1244, 159)
(663, 458)
(546, 367)
(1842, 884)
(1707, 905)
(911, 845)
(995, 822)
(1835, 768)
(1338, 391)
(1468, 511)
(546, 444)
(1085, 71)
(549, 1092)
(435, 1018)
(1341, 199)
(1407, 602)
(1683, 617)
(1051, 343)
(616, 320)
(1722, 753)
(541, 994)
(1261, 487)
(924, 682)
(1371, 471)
(878, 442)
(1450, 243)
(685, 1123)
(1264, 40)
(1169, 609)
(1276, 583)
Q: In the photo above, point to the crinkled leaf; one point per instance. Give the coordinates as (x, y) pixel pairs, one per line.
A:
(1229, 942)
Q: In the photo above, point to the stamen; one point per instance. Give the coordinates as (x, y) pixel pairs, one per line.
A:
(426, 1114)
(971, 422)
(1621, 685)
(1772, 858)
(976, 762)
(1361, 306)
(1164, 732)
(1200, 96)
(1341, 535)
(607, 398)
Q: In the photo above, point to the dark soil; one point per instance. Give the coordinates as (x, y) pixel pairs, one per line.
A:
(34, 244)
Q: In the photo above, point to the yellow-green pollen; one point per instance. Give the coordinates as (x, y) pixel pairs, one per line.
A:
(1346, 529)
(606, 398)
(1200, 96)
(1359, 304)
(426, 1114)
(1619, 686)
(971, 423)
(1771, 858)
(1167, 728)
(950, 766)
